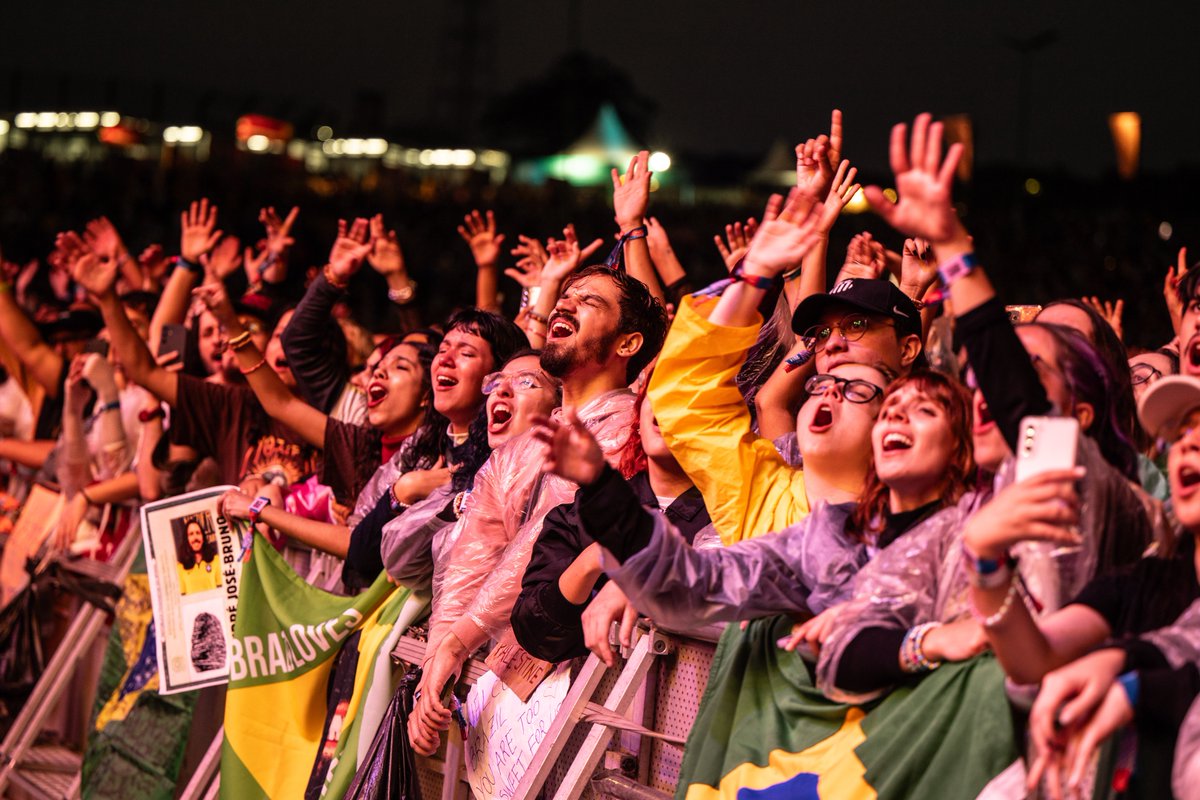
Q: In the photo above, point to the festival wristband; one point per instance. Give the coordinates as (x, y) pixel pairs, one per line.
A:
(115, 405)
(957, 267)
(757, 281)
(1132, 686)
(183, 263)
(256, 508)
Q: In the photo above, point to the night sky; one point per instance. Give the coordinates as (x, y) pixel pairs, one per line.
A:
(726, 77)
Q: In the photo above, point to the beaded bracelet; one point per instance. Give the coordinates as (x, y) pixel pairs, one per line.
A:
(989, 622)
(536, 317)
(912, 649)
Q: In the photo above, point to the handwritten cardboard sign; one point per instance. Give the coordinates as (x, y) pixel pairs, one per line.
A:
(519, 671)
(503, 733)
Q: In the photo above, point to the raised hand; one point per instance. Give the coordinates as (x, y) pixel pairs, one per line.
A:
(153, 262)
(631, 192)
(571, 450)
(102, 237)
(781, 243)
(736, 244)
(198, 230)
(814, 172)
(918, 268)
(223, 260)
(98, 276)
(216, 300)
(865, 258)
(384, 256)
(350, 247)
(75, 394)
(841, 190)
(480, 235)
(924, 206)
(272, 268)
(565, 257)
(1044, 507)
(1112, 312)
(531, 257)
(1171, 289)
(584, 252)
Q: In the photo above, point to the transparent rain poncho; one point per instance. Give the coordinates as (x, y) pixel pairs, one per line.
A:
(409, 544)
(490, 545)
(800, 570)
(921, 577)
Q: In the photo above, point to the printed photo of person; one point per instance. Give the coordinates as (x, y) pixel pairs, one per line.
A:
(196, 552)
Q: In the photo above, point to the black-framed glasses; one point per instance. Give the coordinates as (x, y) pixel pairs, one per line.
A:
(1144, 373)
(523, 381)
(856, 391)
(852, 327)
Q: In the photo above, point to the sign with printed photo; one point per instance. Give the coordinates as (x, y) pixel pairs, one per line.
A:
(193, 559)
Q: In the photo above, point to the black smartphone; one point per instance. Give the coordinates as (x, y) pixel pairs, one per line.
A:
(173, 339)
(99, 346)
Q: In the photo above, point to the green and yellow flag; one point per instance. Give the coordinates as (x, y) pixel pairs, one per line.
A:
(310, 676)
(764, 731)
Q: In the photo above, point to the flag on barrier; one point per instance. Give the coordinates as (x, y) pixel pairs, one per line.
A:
(310, 677)
(764, 731)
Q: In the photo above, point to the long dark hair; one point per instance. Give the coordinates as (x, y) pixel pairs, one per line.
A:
(1112, 351)
(869, 515)
(1092, 377)
(183, 550)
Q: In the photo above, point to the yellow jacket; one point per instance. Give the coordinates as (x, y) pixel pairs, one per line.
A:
(746, 485)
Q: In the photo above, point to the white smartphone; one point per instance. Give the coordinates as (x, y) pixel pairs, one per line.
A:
(1045, 444)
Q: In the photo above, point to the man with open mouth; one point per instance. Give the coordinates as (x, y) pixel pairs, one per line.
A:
(605, 328)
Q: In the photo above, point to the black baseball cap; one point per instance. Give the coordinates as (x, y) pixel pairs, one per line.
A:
(864, 294)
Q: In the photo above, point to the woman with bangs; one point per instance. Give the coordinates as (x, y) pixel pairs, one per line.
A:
(915, 621)
(921, 455)
(921, 462)
(414, 429)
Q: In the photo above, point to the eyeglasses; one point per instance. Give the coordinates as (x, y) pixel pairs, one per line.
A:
(852, 327)
(855, 391)
(518, 382)
(1144, 373)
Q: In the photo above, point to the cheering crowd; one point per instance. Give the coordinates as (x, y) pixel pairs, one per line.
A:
(831, 459)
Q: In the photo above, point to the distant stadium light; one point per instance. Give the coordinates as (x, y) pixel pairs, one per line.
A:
(257, 143)
(1126, 127)
(659, 162)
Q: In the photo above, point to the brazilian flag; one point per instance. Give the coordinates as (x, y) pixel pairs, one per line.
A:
(764, 731)
(310, 676)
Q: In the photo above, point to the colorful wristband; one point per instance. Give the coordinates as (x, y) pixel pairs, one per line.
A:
(256, 508)
(957, 267)
(757, 281)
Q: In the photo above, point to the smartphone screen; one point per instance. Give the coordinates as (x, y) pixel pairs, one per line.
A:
(173, 340)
